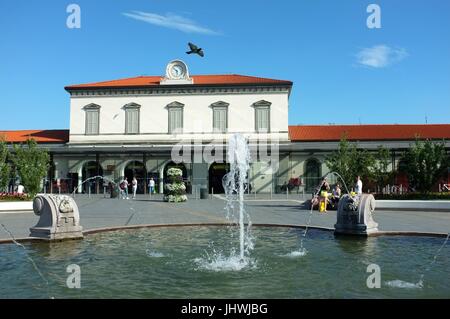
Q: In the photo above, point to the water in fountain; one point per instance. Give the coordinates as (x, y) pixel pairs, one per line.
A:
(36, 268)
(92, 178)
(234, 182)
(408, 285)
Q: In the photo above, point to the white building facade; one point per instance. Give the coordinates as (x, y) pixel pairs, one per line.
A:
(132, 127)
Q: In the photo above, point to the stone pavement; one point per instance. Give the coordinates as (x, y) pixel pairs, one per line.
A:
(99, 212)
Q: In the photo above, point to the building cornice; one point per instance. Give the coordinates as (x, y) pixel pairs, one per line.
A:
(178, 90)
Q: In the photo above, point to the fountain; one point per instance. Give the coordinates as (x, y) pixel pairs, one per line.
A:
(239, 158)
(354, 215)
(167, 266)
(59, 218)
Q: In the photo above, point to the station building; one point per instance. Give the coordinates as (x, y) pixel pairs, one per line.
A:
(142, 126)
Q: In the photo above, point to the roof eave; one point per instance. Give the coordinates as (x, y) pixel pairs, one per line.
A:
(80, 88)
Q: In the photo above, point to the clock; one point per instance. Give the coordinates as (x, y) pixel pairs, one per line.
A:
(177, 73)
(177, 70)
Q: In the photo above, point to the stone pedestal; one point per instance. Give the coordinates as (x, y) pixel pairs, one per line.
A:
(59, 218)
(354, 216)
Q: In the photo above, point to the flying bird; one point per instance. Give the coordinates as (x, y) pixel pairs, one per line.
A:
(195, 49)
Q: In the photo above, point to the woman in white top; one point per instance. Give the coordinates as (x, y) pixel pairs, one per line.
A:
(358, 186)
(134, 185)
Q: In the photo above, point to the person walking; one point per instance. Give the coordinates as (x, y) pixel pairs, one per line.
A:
(151, 186)
(358, 186)
(124, 188)
(134, 184)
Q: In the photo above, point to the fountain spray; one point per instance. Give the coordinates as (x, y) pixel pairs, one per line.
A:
(234, 183)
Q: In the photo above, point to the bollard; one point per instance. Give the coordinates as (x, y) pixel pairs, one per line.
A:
(89, 191)
(212, 192)
(104, 191)
(255, 193)
(287, 193)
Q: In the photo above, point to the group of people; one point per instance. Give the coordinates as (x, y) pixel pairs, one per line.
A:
(325, 198)
(124, 184)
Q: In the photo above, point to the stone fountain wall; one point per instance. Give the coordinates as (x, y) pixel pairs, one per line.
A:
(59, 218)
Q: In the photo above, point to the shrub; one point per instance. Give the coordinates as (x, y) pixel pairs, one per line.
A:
(32, 165)
(413, 196)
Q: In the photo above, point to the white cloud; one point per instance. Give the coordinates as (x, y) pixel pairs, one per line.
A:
(171, 21)
(380, 56)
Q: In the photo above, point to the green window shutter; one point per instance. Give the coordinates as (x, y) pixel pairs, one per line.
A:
(220, 119)
(262, 119)
(132, 121)
(92, 122)
(175, 119)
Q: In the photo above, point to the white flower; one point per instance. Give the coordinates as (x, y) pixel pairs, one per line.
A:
(174, 172)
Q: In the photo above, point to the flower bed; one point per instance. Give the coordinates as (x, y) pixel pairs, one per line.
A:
(414, 196)
(14, 197)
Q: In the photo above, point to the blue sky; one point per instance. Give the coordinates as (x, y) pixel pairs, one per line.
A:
(343, 72)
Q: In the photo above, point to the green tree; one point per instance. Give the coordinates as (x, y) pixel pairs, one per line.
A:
(350, 162)
(32, 165)
(381, 174)
(4, 166)
(425, 163)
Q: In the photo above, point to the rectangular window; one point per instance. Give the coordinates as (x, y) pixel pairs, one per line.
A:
(132, 121)
(220, 120)
(262, 119)
(92, 121)
(175, 120)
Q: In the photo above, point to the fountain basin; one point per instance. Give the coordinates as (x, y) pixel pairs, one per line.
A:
(193, 262)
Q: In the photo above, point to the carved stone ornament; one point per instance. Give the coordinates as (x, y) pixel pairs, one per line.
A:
(354, 215)
(59, 218)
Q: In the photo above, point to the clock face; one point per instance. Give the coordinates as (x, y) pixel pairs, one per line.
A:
(177, 71)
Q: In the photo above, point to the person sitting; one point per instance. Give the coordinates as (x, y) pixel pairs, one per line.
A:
(336, 194)
(20, 189)
(323, 199)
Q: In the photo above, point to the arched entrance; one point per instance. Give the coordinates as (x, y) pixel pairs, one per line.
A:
(91, 169)
(216, 173)
(136, 169)
(313, 173)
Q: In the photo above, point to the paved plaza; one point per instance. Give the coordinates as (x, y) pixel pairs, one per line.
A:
(100, 212)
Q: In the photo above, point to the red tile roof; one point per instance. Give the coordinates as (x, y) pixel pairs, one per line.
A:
(150, 81)
(368, 132)
(40, 136)
(297, 133)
